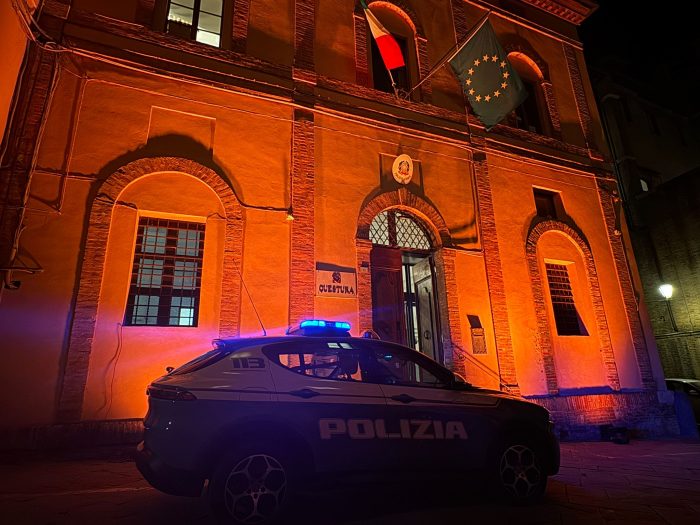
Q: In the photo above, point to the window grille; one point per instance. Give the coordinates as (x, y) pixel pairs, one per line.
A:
(167, 274)
(398, 229)
(565, 314)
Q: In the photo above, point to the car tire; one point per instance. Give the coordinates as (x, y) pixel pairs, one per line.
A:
(517, 471)
(251, 486)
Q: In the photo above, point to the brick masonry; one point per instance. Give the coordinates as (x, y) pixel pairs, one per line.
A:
(494, 275)
(91, 273)
(304, 32)
(241, 13)
(301, 268)
(607, 194)
(544, 331)
(667, 250)
(24, 130)
(579, 417)
(584, 111)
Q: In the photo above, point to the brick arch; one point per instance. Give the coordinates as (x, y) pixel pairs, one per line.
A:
(404, 199)
(544, 338)
(92, 269)
(445, 268)
(405, 11)
(513, 43)
(399, 7)
(516, 44)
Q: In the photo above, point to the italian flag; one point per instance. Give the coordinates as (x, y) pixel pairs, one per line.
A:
(388, 47)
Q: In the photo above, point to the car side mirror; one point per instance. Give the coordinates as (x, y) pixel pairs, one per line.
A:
(459, 383)
(169, 369)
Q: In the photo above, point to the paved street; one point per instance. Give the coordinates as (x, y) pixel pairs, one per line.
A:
(644, 482)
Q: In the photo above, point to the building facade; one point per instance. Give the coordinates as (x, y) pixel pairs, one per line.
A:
(178, 171)
(655, 149)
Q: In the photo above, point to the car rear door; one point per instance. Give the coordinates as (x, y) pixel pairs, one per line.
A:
(321, 394)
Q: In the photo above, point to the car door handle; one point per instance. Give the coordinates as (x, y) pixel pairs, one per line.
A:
(403, 398)
(306, 393)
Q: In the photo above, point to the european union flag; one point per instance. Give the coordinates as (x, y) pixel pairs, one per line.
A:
(491, 84)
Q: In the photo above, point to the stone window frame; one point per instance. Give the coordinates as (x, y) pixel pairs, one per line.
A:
(543, 342)
(90, 278)
(362, 65)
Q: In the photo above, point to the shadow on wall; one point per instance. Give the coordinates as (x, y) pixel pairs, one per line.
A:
(465, 232)
(171, 145)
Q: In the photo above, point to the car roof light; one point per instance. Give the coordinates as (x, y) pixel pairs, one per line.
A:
(322, 328)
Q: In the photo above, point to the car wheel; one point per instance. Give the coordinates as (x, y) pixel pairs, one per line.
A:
(250, 488)
(520, 476)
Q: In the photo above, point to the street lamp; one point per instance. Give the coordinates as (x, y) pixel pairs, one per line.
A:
(666, 291)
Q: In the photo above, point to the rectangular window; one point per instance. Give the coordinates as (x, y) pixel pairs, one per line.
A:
(167, 274)
(545, 203)
(198, 20)
(565, 314)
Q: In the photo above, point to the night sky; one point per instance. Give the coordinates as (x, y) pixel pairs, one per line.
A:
(654, 50)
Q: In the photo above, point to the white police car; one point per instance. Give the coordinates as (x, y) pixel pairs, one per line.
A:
(254, 418)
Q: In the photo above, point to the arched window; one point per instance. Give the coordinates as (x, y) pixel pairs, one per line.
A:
(531, 115)
(397, 228)
(404, 77)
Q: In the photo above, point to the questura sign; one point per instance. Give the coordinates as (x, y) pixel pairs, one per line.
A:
(336, 283)
(401, 429)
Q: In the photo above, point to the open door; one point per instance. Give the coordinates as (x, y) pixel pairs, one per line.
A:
(387, 295)
(427, 318)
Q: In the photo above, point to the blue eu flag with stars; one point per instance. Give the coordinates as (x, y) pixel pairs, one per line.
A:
(491, 84)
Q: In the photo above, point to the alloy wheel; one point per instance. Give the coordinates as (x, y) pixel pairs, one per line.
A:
(255, 489)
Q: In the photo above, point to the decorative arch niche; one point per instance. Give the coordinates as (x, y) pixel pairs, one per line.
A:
(534, 69)
(362, 43)
(92, 271)
(544, 342)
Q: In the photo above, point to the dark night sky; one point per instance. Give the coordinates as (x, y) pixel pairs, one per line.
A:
(657, 48)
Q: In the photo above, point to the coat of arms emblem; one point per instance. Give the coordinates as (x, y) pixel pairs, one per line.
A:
(402, 169)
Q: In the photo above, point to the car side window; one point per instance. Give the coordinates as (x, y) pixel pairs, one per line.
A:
(324, 360)
(395, 366)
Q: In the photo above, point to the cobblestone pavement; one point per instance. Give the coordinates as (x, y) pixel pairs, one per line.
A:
(599, 483)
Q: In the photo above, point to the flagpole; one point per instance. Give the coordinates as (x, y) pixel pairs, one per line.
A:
(393, 84)
(451, 54)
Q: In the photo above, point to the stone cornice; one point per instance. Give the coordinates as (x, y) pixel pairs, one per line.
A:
(574, 11)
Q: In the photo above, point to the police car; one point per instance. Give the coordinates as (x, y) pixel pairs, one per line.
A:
(255, 418)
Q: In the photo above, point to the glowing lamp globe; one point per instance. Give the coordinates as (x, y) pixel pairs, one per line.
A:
(666, 291)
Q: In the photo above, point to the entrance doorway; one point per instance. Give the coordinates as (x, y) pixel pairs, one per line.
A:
(403, 283)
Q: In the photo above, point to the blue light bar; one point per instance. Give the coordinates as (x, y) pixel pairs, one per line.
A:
(317, 323)
(312, 323)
